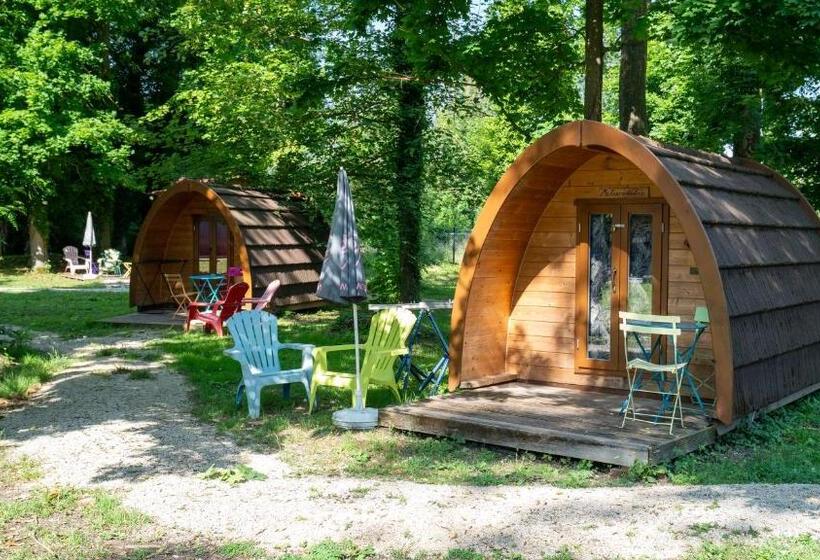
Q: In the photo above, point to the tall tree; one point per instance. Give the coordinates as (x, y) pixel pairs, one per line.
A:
(593, 59)
(417, 41)
(525, 58)
(632, 85)
(58, 122)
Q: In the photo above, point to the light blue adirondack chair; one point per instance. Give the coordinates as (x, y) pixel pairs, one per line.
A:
(256, 348)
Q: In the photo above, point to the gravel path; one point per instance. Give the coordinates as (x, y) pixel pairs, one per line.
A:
(89, 427)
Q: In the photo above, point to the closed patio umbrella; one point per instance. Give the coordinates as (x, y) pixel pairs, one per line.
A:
(342, 281)
(90, 241)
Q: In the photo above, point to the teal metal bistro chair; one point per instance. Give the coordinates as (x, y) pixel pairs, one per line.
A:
(256, 348)
(668, 376)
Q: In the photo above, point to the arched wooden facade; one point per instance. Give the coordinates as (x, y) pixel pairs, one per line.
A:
(262, 235)
(734, 237)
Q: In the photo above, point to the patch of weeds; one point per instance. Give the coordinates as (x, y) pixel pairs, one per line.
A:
(641, 472)
(63, 522)
(360, 491)
(780, 447)
(749, 532)
(110, 352)
(14, 471)
(331, 550)
(233, 475)
(143, 356)
(804, 547)
(42, 503)
(463, 554)
(140, 374)
(563, 553)
(700, 529)
(23, 371)
(245, 550)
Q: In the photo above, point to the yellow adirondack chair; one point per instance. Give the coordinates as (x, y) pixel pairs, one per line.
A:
(386, 341)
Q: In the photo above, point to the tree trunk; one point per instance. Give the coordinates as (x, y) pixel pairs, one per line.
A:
(746, 139)
(632, 87)
(412, 121)
(594, 59)
(4, 233)
(38, 239)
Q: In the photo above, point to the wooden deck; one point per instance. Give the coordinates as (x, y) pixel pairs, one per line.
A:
(157, 318)
(549, 419)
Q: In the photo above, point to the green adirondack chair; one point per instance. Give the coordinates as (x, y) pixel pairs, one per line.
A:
(386, 341)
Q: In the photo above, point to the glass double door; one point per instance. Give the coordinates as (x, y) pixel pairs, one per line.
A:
(618, 269)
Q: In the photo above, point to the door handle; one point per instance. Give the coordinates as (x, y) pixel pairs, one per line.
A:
(614, 283)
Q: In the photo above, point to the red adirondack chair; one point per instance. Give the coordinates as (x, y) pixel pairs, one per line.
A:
(219, 312)
(262, 302)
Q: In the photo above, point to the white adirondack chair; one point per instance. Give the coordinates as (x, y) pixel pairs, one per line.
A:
(256, 348)
(72, 258)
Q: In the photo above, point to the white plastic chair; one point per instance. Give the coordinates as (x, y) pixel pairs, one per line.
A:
(72, 258)
(256, 348)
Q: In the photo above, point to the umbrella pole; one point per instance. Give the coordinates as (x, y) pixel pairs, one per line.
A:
(359, 403)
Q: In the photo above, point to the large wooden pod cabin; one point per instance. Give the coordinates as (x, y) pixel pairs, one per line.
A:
(686, 228)
(197, 226)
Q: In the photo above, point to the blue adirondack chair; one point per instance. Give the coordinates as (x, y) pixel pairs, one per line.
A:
(256, 348)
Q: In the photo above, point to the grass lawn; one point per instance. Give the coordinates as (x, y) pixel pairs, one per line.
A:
(22, 370)
(21, 279)
(781, 447)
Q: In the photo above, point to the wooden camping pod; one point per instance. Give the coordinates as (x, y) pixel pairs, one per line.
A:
(736, 238)
(265, 237)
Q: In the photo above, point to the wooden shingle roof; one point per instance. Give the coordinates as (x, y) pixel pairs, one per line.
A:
(766, 241)
(279, 242)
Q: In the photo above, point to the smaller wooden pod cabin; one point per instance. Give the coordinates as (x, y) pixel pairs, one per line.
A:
(197, 226)
(590, 220)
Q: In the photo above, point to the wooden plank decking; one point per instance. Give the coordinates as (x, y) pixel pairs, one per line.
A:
(158, 318)
(548, 419)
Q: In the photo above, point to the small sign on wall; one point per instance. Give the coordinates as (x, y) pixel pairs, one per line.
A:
(624, 192)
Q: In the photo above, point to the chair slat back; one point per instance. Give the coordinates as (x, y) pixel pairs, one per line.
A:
(176, 286)
(389, 330)
(71, 253)
(267, 297)
(256, 335)
(655, 325)
(233, 300)
(661, 325)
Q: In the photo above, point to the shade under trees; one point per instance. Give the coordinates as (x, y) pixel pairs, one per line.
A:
(422, 102)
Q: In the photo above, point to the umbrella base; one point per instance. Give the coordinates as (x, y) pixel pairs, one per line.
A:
(356, 419)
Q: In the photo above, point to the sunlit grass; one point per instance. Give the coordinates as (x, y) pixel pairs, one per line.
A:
(24, 372)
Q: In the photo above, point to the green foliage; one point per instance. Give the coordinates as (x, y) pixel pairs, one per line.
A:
(22, 370)
(781, 447)
(527, 47)
(233, 475)
(58, 121)
(723, 74)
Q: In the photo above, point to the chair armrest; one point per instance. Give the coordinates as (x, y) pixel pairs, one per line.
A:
(336, 348)
(394, 352)
(297, 346)
(234, 353)
(86, 259)
(204, 304)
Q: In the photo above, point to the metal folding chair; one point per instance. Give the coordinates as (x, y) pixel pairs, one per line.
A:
(668, 377)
